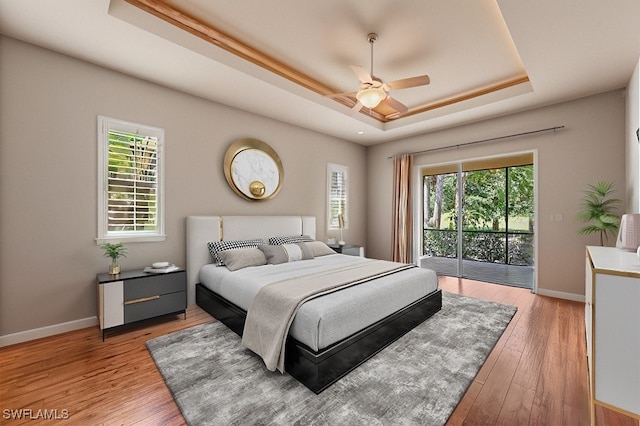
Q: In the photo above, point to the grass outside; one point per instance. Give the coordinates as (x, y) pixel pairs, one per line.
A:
(516, 223)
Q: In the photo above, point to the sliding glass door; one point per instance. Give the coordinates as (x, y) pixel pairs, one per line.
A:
(440, 222)
(478, 220)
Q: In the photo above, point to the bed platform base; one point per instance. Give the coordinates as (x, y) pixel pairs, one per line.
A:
(318, 370)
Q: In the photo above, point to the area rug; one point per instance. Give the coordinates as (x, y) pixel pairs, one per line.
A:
(417, 380)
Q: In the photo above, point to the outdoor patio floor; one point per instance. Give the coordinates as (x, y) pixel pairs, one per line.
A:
(497, 273)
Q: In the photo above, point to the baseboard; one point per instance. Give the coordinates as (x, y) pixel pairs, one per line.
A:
(50, 330)
(561, 295)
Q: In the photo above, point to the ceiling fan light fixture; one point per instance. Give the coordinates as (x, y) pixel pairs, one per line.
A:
(371, 97)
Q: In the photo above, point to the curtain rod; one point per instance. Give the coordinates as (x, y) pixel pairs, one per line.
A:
(485, 140)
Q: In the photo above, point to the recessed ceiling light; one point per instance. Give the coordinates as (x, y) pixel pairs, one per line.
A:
(360, 132)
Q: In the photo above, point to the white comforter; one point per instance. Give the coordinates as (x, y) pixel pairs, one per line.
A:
(327, 319)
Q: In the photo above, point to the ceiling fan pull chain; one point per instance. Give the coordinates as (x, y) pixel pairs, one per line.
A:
(372, 37)
(371, 43)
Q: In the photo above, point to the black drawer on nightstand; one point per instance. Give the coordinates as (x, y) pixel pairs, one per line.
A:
(349, 249)
(154, 285)
(139, 309)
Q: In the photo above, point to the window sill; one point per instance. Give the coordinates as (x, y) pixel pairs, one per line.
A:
(131, 238)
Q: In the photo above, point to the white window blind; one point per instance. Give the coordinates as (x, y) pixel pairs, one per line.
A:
(337, 195)
(131, 191)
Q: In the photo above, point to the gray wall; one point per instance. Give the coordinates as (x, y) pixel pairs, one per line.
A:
(49, 105)
(589, 149)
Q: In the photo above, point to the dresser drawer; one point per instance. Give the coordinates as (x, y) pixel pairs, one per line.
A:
(141, 308)
(154, 285)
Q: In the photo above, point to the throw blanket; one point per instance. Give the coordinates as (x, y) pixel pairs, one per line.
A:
(275, 305)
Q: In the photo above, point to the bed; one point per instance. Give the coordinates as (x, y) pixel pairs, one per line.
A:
(316, 353)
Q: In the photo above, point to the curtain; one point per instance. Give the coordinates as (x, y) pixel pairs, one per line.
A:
(402, 214)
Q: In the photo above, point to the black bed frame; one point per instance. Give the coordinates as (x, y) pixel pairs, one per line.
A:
(318, 370)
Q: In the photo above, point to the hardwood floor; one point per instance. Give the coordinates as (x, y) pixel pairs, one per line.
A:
(536, 374)
(111, 382)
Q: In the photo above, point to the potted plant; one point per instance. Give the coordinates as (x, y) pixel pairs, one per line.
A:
(114, 251)
(599, 209)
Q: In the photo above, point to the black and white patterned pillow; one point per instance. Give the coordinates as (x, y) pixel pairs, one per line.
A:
(277, 241)
(215, 247)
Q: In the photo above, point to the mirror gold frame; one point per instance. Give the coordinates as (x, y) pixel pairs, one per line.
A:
(254, 184)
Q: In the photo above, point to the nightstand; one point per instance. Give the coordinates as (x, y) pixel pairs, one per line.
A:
(133, 296)
(349, 249)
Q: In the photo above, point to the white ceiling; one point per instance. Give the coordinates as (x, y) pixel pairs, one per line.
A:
(567, 48)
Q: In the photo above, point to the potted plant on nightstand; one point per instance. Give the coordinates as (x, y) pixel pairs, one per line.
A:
(114, 251)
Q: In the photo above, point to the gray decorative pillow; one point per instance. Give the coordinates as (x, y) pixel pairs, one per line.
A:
(286, 253)
(235, 259)
(318, 248)
(216, 247)
(276, 241)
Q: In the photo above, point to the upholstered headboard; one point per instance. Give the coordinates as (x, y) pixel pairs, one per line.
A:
(202, 229)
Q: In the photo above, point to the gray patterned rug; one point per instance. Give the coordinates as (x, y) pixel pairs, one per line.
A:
(417, 380)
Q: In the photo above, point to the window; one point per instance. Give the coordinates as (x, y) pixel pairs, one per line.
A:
(337, 195)
(130, 198)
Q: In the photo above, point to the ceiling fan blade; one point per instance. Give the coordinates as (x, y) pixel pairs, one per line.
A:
(357, 107)
(395, 104)
(340, 95)
(422, 80)
(362, 74)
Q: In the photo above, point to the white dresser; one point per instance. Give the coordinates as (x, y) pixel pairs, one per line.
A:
(612, 317)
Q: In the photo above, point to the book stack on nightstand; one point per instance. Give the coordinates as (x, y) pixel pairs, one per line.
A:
(161, 269)
(349, 249)
(136, 295)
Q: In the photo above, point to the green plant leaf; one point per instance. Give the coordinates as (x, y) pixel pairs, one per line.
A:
(599, 208)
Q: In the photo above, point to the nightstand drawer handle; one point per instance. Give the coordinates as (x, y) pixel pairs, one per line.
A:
(143, 299)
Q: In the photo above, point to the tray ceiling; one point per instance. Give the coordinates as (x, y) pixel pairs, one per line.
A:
(484, 58)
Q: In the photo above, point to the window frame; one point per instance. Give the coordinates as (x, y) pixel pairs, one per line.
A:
(332, 222)
(105, 125)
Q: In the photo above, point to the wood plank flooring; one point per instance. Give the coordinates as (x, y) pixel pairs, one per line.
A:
(536, 374)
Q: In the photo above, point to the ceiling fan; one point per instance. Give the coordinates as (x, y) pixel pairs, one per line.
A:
(374, 91)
